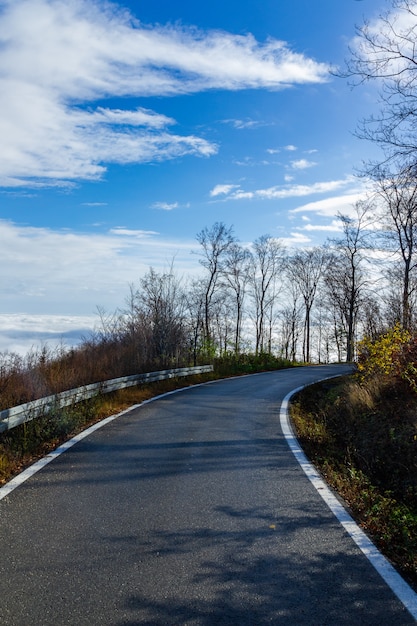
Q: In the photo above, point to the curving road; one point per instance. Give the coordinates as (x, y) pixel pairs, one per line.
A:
(189, 510)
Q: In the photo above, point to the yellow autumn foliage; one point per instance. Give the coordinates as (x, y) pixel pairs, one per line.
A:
(382, 355)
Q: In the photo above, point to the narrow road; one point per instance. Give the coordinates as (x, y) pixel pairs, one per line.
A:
(190, 510)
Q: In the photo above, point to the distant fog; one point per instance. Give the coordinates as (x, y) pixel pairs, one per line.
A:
(22, 333)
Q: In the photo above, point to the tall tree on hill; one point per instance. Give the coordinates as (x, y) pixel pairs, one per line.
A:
(291, 320)
(344, 278)
(194, 299)
(397, 195)
(236, 276)
(267, 261)
(161, 302)
(384, 52)
(215, 243)
(306, 268)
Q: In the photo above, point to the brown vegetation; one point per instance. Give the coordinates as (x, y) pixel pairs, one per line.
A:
(24, 444)
(362, 436)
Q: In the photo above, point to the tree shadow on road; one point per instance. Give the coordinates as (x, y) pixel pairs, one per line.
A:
(264, 577)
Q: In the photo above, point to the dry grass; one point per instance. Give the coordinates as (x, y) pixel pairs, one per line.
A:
(363, 439)
(49, 371)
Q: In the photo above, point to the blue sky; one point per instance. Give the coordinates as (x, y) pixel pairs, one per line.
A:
(128, 127)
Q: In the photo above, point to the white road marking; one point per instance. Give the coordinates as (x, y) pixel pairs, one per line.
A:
(38, 465)
(393, 579)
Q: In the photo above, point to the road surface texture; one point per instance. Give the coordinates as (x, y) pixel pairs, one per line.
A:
(189, 510)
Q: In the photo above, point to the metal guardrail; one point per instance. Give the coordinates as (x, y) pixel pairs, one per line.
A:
(10, 418)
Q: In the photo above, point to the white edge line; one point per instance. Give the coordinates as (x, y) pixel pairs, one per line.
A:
(393, 579)
(38, 465)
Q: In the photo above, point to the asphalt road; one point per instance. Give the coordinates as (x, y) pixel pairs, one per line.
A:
(190, 510)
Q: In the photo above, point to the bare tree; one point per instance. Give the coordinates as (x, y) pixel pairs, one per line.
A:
(398, 205)
(345, 278)
(161, 301)
(306, 268)
(194, 298)
(236, 276)
(373, 321)
(384, 52)
(290, 325)
(222, 314)
(267, 259)
(215, 243)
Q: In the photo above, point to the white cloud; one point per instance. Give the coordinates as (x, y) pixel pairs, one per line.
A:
(128, 232)
(165, 206)
(330, 207)
(290, 148)
(220, 190)
(243, 195)
(296, 239)
(57, 56)
(244, 124)
(61, 272)
(245, 162)
(235, 192)
(302, 164)
(20, 332)
(334, 226)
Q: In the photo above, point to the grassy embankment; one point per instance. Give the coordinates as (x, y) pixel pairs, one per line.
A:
(361, 433)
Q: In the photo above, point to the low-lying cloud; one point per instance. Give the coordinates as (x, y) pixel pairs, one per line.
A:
(56, 271)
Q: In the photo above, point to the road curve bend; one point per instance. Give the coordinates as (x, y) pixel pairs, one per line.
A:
(188, 510)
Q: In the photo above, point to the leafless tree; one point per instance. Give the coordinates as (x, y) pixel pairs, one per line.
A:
(291, 321)
(215, 243)
(267, 261)
(384, 52)
(397, 194)
(236, 276)
(345, 277)
(306, 269)
(222, 314)
(194, 298)
(372, 319)
(160, 300)
(392, 297)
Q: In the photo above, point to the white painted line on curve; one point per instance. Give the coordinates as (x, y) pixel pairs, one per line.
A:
(393, 579)
(38, 465)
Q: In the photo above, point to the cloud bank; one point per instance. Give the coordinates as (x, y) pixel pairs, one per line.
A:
(235, 192)
(56, 271)
(59, 58)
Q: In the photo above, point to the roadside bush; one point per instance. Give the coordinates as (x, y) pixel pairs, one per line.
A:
(382, 356)
(391, 357)
(362, 435)
(49, 371)
(374, 429)
(231, 363)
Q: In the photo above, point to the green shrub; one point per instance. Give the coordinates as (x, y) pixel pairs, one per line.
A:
(231, 363)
